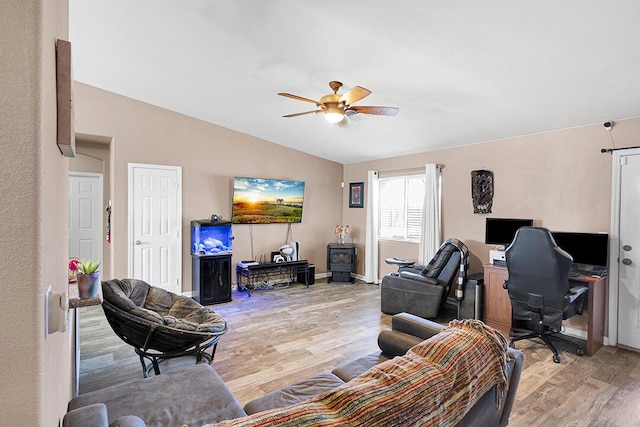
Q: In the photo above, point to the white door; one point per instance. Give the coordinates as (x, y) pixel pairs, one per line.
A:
(155, 221)
(628, 250)
(85, 215)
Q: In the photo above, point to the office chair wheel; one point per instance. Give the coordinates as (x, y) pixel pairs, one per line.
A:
(580, 351)
(556, 358)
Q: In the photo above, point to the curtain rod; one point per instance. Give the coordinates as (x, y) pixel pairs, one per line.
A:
(611, 150)
(418, 169)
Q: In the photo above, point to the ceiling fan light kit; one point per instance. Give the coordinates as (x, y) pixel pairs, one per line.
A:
(335, 106)
(334, 114)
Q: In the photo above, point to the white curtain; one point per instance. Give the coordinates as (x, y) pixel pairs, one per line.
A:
(371, 231)
(430, 238)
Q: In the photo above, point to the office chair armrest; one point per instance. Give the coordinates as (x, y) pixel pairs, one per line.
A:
(418, 277)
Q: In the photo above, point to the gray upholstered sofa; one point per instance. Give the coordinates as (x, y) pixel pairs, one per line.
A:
(197, 395)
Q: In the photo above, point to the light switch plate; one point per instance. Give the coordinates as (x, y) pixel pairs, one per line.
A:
(56, 308)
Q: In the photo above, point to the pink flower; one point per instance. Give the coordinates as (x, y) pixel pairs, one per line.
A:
(73, 264)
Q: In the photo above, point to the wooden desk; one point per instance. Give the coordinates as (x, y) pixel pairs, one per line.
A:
(497, 306)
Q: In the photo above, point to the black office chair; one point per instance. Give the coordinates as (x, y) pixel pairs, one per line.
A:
(538, 286)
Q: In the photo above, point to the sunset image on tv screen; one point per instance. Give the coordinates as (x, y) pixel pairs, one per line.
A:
(265, 201)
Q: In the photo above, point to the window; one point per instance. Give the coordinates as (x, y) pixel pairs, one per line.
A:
(400, 206)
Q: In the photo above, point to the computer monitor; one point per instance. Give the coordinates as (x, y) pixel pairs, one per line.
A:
(585, 248)
(501, 231)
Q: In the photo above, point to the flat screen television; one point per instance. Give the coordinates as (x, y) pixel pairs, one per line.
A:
(501, 231)
(266, 201)
(585, 248)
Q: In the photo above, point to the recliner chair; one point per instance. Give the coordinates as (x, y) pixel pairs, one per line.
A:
(538, 287)
(423, 290)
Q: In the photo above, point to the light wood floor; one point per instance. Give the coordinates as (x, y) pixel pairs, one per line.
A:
(279, 336)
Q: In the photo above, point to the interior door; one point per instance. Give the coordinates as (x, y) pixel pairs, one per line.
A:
(85, 215)
(155, 214)
(628, 266)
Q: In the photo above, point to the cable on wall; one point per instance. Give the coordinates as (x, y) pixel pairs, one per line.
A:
(251, 240)
(289, 235)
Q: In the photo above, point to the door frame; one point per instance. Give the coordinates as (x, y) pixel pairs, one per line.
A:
(614, 243)
(130, 240)
(100, 177)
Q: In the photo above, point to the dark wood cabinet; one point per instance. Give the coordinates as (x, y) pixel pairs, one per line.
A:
(211, 279)
(341, 261)
(497, 305)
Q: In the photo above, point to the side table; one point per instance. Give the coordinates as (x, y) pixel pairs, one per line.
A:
(400, 262)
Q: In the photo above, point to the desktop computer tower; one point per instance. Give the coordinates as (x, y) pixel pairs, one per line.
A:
(471, 305)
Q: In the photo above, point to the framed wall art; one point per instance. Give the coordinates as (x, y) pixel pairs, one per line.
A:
(482, 191)
(356, 195)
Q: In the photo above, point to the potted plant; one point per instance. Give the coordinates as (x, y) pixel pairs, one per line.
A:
(342, 231)
(88, 278)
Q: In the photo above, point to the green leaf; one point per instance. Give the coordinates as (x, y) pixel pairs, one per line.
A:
(88, 266)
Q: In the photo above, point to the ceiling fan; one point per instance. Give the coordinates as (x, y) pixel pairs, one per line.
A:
(336, 106)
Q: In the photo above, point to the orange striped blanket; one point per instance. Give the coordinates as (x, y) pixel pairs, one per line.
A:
(434, 384)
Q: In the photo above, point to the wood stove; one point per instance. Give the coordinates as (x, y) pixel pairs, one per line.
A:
(341, 261)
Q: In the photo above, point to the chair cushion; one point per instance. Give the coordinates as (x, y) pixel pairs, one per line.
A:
(90, 415)
(162, 307)
(294, 393)
(348, 371)
(194, 396)
(125, 294)
(128, 421)
(434, 267)
(147, 314)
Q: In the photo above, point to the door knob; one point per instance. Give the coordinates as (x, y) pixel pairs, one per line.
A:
(626, 261)
(138, 242)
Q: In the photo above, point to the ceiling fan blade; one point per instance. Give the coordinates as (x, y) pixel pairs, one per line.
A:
(302, 114)
(379, 111)
(354, 94)
(299, 98)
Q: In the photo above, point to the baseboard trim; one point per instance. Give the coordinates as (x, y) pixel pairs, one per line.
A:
(575, 332)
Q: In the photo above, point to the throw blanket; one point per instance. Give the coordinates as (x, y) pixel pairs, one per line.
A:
(434, 384)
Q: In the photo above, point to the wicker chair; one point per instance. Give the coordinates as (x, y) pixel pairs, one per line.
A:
(159, 324)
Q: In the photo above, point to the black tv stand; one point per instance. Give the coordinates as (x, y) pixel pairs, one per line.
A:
(269, 275)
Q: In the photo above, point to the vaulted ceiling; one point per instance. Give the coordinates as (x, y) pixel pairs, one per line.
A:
(461, 72)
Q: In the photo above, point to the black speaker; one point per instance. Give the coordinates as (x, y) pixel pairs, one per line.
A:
(311, 275)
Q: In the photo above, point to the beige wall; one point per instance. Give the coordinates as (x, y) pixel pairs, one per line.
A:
(36, 376)
(210, 156)
(560, 179)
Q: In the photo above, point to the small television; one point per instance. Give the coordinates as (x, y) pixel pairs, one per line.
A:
(501, 231)
(210, 238)
(585, 248)
(266, 201)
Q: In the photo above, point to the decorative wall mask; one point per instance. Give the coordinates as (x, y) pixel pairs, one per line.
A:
(482, 191)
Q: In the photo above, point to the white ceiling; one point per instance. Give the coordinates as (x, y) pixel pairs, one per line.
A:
(461, 72)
